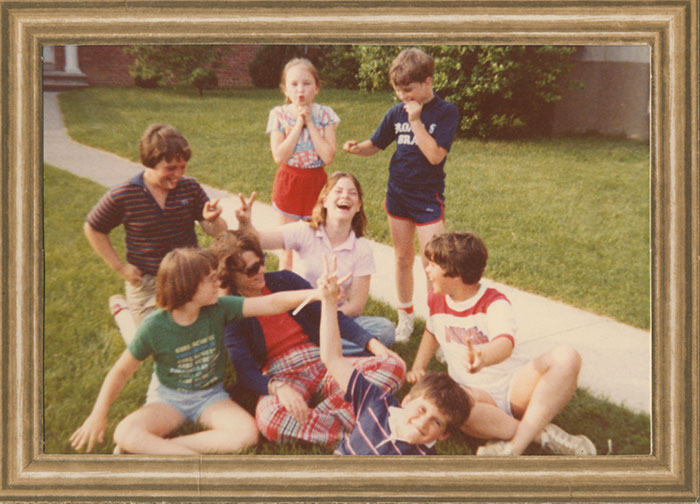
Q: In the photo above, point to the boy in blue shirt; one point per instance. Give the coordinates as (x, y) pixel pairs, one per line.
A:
(423, 126)
(435, 406)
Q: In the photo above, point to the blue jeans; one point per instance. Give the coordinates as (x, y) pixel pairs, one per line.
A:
(378, 327)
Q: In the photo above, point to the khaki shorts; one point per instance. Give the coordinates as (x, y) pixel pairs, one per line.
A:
(141, 299)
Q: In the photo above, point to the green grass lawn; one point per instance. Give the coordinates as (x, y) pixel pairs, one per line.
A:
(81, 342)
(567, 218)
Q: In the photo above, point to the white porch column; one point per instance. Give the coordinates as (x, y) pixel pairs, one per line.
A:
(49, 54)
(72, 66)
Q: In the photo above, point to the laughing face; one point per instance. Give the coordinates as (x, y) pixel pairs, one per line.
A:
(421, 422)
(419, 92)
(343, 200)
(166, 173)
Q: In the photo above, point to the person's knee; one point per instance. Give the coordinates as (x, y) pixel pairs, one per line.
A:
(386, 331)
(268, 417)
(381, 328)
(404, 259)
(241, 436)
(567, 357)
(128, 435)
(247, 431)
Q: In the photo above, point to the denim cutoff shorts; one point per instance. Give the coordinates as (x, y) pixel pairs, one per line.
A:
(190, 403)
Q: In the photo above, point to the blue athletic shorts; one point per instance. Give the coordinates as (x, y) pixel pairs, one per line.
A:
(191, 403)
(420, 208)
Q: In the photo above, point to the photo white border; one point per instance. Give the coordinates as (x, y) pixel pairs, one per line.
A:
(670, 473)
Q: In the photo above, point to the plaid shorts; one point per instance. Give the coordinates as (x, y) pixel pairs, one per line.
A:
(331, 417)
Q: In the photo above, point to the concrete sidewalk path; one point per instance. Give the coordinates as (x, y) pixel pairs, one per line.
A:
(616, 357)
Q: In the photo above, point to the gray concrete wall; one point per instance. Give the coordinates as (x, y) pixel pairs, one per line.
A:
(615, 96)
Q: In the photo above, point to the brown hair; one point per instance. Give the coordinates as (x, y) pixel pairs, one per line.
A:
(179, 275)
(162, 141)
(318, 215)
(461, 254)
(411, 65)
(302, 62)
(228, 247)
(447, 395)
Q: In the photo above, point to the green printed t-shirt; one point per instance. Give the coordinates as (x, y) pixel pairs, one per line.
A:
(189, 357)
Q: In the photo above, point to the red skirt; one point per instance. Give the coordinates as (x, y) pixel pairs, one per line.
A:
(296, 190)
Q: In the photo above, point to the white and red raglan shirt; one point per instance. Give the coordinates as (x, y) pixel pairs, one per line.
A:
(485, 317)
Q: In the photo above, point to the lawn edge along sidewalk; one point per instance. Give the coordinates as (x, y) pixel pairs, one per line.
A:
(616, 356)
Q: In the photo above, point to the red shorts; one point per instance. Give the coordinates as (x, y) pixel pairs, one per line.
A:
(296, 190)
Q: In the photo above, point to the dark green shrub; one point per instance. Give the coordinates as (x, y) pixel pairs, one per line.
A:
(191, 65)
(339, 67)
(266, 68)
(146, 83)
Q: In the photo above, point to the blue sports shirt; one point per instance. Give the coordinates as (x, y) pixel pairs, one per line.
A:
(409, 169)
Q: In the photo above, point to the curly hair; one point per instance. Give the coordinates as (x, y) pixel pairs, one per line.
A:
(228, 248)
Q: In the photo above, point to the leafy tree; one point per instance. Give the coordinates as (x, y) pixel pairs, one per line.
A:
(160, 65)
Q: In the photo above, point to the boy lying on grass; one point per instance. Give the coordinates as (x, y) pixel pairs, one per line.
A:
(434, 407)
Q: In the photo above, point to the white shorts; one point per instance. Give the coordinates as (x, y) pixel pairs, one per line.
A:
(500, 392)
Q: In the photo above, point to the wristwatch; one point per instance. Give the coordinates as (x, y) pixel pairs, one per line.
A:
(273, 385)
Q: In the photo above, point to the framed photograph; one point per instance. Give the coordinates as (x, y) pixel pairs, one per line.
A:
(668, 474)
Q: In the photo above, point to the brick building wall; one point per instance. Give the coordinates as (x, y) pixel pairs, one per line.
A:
(108, 65)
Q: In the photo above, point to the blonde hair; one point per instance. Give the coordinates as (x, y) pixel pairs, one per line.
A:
(179, 275)
(318, 215)
(411, 65)
(162, 141)
(298, 62)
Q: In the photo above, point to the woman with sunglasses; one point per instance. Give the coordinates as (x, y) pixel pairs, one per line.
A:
(336, 228)
(277, 358)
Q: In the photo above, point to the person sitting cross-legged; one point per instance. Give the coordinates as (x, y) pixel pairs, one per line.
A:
(515, 399)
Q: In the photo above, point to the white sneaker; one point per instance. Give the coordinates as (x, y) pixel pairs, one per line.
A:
(117, 303)
(496, 449)
(558, 441)
(404, 329)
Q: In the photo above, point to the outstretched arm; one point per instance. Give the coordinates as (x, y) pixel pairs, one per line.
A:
(268, 239)
(279, 302)
(365, 149)
(331, 349)
(93, 428)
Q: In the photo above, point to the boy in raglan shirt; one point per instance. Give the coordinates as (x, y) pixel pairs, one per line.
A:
(515, 399)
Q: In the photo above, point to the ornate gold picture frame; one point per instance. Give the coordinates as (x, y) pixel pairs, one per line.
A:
(669, 473)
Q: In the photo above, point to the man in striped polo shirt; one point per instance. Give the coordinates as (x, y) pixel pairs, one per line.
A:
(158, 208)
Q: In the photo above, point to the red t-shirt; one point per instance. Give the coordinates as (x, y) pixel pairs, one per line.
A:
(281, 332)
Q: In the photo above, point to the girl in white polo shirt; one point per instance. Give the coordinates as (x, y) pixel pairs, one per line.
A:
(336, 228)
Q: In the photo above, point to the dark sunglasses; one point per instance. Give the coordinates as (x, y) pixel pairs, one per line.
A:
(253, 269)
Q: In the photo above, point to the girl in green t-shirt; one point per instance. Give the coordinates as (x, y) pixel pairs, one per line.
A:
(185, 337)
